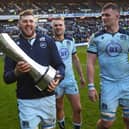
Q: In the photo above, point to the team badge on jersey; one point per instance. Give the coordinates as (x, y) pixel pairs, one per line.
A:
(64, 53)
(43, 43)
(113, 49)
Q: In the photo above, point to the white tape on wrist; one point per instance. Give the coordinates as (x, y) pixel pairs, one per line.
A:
(91, 86)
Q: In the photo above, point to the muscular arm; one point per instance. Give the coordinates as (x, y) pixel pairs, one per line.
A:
(91, 60)
(77, 65)
(92, 93)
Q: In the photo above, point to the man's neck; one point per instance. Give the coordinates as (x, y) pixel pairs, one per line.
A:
(32, 37)
(59, 38)
(112, 29)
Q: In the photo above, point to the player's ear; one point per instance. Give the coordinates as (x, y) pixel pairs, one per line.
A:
(118, 15)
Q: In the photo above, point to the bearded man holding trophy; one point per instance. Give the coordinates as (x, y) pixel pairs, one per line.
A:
(35, 64)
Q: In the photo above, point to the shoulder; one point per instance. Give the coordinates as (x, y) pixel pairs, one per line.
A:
(39, 35)
(123, 31)
(99, 33)
(45, 38)
(69, 41)
(69, 38)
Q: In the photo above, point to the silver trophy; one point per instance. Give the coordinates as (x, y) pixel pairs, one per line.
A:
(42, 75)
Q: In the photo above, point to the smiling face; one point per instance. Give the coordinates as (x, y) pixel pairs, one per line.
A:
(58, 27)
(27, 25)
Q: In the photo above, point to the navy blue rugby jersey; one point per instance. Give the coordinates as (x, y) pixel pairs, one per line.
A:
(44, 52)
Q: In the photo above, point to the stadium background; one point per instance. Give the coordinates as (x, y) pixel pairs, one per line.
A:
(82, 19)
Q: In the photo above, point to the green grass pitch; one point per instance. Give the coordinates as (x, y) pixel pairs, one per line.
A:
(90, 111)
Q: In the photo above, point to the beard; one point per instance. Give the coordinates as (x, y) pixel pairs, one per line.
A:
(59, 33)
(25, 34)
(28, 35)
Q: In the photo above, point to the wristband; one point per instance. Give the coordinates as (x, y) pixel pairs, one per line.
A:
(91, 86)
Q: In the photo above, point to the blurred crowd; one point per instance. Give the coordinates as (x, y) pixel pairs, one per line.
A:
(80, 28)
(51, 7)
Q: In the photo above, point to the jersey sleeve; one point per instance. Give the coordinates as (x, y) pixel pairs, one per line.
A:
(92, 47)
(74, 47)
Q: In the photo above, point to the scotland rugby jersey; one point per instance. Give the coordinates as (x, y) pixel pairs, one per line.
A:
(66, 49)
(44, 52)
(112, 51)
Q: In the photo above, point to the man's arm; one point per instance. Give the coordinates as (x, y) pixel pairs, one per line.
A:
(91, 60)
(57, 63)
(77, 65)
(9, 73)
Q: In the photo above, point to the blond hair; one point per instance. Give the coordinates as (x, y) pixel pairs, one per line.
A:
(26, 13)
(56, 19)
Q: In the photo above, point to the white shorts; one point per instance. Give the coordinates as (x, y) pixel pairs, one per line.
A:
(114, 94)
(66, 88)
(35, 111)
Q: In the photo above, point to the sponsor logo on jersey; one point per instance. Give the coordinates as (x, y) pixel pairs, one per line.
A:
(64, 53)
(113, 49)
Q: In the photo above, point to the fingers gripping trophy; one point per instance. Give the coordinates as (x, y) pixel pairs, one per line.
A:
(42, 75)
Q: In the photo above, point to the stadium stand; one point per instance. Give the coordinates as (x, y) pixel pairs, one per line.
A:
(82, 16)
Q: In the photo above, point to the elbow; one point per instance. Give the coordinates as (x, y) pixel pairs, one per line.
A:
(8, 80)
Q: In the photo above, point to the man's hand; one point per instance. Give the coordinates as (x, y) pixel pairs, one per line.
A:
(82, 82)
(53, 84)
(22, 67)
(93, 95)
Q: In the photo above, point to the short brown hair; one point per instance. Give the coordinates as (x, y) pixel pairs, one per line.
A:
(112, 6)
(58, 18)
(26, 12)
